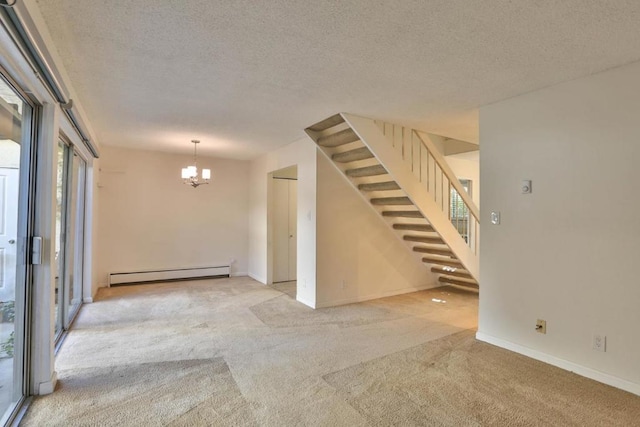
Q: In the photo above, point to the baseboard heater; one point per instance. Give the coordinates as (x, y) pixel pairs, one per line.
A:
(128, 278)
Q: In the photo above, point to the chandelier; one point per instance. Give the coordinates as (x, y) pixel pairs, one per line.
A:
(190, 173)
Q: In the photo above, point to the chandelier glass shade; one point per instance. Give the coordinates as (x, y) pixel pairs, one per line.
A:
(190, 173)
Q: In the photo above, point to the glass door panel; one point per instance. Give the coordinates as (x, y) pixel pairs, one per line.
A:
(75, 239)
(69, 235)
(60, 239)
(15, 143)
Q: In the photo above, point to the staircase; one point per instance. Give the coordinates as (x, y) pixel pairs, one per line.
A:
(402, 175)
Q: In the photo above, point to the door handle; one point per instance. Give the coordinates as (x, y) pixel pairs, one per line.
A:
(12, 241)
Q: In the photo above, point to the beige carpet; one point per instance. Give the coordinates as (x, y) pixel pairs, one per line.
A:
(458, 381)
(234, 352)
(184, 393)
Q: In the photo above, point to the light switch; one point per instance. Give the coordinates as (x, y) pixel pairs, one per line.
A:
(526, 186)
(495, 218)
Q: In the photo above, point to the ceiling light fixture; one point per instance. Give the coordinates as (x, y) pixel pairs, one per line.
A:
(190, 173)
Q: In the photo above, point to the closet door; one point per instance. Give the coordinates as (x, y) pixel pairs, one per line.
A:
(293, 227)
(284, 229)
(280, 230)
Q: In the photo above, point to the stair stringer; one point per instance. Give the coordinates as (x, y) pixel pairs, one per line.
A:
(342, 168)
(371, 136)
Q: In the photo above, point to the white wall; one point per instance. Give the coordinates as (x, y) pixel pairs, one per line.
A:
(467, 166)
(303, 154)
(357, 248)
(149, 219)
(568, 252)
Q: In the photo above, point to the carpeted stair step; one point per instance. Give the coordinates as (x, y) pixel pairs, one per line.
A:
(458, 282)
(327, 123)
(442, 261)
(379, 186)
(433, 251)
(391, 201)
(403, 214)
(414, 227)
(339, 138)
(458, 272)
(352, 155)
(367, 171)
(436, 240)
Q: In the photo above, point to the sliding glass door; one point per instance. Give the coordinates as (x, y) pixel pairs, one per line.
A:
(16, 195)
(60, 246)
(70, 210)
(75, 230)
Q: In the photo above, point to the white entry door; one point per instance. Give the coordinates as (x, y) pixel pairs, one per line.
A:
(284, 229)
(8, 232)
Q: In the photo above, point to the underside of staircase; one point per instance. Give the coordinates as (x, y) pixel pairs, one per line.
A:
(344, 141)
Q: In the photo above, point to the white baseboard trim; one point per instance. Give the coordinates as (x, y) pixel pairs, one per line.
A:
(87, 300)
(305, 302)
(257, 278)
(47, 387)
(361, 298)
(238, 274)
(561, 363)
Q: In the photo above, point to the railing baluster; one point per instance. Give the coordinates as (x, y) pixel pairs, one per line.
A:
(403, 150)
(449, 200)
(475, 237)
(428, 177)
(420, 149)
(412, 155)
(435, 179)
(397, 136)
(441, 190)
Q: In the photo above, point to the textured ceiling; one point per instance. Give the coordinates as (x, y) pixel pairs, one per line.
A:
(248, 76)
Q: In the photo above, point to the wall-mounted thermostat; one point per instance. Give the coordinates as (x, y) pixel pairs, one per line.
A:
(526, 186)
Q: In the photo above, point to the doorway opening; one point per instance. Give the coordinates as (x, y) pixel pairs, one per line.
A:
(282, 228)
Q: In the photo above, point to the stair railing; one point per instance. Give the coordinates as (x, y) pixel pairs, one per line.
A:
(431, 168)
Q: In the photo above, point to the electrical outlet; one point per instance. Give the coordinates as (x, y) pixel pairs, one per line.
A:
(600, 342)
(541, 326)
